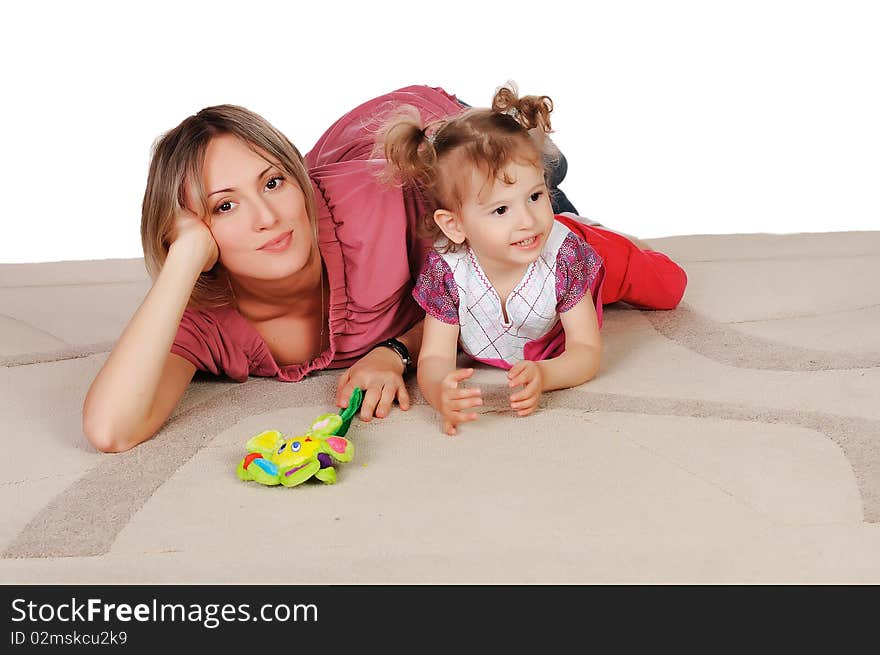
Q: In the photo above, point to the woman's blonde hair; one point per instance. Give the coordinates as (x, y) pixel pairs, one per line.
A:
(178, 159)
(438, 158)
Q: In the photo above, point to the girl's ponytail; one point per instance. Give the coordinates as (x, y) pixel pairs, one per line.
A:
(406, 148)
(529, 111)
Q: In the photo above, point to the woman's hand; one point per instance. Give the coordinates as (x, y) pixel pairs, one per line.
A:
(380, 374)
(455, 400)
(529, 375)
(192, 233)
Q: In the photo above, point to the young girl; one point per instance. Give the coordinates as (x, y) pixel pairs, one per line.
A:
(514, 285)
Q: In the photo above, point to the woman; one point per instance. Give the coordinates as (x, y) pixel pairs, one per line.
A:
(267, 264)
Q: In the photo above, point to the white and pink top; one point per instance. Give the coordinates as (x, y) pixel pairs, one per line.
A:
(453, 288)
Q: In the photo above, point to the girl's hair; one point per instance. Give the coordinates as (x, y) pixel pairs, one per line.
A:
(438, 158)
(178, 159)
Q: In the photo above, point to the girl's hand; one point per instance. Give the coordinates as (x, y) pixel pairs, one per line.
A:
(531, 377)
(454, 400)
(380, 374)
(193, 234)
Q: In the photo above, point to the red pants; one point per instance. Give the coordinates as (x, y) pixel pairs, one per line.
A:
(644, 278)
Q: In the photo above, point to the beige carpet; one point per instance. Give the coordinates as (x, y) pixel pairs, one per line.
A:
(733, 440)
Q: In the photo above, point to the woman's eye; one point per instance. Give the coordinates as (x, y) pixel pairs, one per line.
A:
(224, 207)
(536, 196)
(500, 211)
(274, 182)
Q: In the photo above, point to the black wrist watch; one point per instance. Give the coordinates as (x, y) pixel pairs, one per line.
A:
(397, 346)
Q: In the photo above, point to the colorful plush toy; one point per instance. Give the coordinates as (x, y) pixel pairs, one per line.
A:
(273, 460)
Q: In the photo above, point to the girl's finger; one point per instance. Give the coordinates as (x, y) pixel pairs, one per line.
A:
(462, 417)
(465, 403)
(470, 392)
(458, 375)
(523, 401)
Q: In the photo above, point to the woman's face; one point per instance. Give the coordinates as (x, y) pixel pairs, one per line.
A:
(256, 212)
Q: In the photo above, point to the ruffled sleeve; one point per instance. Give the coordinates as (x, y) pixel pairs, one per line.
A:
(219, 342)
(435, 290)
(577, 268)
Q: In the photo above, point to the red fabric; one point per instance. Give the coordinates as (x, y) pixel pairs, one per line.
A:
(643, 278)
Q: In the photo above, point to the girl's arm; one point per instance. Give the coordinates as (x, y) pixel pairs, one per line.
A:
(583, 349)
(579, 362)
(141, 382)
(439, 379)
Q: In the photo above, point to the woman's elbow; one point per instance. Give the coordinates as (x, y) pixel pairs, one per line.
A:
(105, 436)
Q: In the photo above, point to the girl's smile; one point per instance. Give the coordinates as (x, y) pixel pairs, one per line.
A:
(506, 225)
(529, 243)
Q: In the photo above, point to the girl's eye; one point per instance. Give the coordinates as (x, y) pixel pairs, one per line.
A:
(536, 195)
(274, 182)
(500, 211)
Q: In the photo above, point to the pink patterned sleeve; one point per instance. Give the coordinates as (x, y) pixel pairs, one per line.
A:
(577, 266)
(435, 289)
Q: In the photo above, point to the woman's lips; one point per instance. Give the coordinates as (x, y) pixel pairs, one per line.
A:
(279, 243)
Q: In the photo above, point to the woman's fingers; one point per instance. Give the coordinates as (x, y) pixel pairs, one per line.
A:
(379, 397)
(344, 387)
(403, 397)
(368, 406)
(386, 398)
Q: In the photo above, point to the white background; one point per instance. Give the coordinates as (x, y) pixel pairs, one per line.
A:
(676, 117)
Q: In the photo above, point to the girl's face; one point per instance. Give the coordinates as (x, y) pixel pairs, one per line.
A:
(506, 225)
(256, 213)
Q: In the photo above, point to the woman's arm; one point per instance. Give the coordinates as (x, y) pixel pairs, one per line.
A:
(141, 382)
(380, 374)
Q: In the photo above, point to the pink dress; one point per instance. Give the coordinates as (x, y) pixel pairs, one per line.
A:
(367, 237)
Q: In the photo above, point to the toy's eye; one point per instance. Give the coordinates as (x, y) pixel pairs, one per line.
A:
(295, 446)
(281, 450)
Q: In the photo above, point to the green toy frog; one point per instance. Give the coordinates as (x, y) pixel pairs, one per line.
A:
(273, 459)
